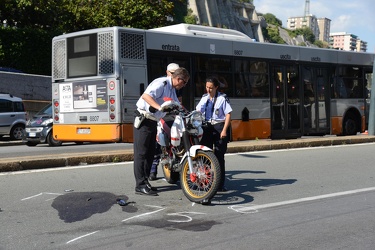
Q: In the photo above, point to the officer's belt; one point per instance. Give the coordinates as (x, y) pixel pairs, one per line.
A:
(148, 115)
(213, 122)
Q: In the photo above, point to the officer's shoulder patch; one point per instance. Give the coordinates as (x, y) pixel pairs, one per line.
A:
(165, 83)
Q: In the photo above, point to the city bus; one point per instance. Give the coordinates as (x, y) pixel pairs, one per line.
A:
(276, 91)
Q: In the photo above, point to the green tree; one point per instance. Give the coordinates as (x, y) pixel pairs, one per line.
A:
(271, 34)
(306, 32)
(190, 17)
(73, 15)
(25, 43)
(272, 19)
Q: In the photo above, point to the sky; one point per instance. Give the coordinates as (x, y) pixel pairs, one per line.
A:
(354, 17)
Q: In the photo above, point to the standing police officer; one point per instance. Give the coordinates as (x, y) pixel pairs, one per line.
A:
(171, 68)
(145, 132)
(217, 111)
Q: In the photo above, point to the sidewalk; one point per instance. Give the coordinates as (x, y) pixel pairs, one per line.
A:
(62, 160)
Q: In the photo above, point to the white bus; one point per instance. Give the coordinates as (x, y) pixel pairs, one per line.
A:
(276, 91)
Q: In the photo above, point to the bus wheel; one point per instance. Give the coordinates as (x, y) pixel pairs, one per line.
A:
(350, 126)
(51, 141)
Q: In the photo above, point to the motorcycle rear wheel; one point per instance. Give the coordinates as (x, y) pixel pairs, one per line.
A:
(170, 176)
(204, 182)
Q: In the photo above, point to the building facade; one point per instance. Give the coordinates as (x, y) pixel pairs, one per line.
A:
(347, 41)
(324, 25)
(309, 21)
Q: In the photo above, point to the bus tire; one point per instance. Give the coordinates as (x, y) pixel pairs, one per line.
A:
(350, 126)
(51, 141)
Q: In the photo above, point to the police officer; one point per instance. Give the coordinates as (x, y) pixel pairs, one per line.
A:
(217, 111)
(144, 134)
(171, 68)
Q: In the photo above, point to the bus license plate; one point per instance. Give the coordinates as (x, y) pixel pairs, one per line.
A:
(83, 131)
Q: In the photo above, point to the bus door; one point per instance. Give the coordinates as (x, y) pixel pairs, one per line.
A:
(285, 101)
(133, 83)
(316, 104)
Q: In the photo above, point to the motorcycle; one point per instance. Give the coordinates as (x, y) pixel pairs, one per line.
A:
(182, 157)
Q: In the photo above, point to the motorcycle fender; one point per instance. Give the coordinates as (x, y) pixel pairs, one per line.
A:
(193, 149)
(192, 152)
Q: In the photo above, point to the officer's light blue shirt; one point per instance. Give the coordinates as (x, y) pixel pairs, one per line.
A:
(222, 107)
(158, 89)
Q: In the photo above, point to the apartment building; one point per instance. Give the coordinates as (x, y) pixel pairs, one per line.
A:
(309, 21)
(347, 41)
(324, 25)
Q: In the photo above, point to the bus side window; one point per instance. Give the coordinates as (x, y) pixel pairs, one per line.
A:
(358, 89)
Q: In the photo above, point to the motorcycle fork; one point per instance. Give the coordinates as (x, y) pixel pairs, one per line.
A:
(187, 146)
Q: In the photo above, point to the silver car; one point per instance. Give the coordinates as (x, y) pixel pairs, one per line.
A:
(12, 116)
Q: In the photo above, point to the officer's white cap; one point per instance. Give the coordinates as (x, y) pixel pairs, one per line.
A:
(172, 67)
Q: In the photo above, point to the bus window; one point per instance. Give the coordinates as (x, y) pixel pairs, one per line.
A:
(82, 56)
(251, 79)
(348, 82)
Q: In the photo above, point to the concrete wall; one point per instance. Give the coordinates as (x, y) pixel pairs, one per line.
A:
(35, 90)
(229, 14)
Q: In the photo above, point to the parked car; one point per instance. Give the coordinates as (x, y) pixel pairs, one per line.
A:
(12, 116)
(39, 128)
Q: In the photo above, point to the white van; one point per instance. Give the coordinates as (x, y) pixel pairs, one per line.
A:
(12, 116)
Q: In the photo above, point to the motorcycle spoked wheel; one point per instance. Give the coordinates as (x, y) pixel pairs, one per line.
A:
(170, 176)
(205, 181)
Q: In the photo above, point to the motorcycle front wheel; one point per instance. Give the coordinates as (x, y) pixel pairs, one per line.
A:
(204, 182)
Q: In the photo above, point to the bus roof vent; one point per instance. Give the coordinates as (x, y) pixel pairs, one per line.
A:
(205, 31)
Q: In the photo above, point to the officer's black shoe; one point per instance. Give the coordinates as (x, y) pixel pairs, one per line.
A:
(151, 187)
(145, 191)
(206, 202)
(152, 177)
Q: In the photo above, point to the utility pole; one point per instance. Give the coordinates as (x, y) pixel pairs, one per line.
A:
(371, 119)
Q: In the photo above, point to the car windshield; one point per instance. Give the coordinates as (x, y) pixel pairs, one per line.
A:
(47, 110)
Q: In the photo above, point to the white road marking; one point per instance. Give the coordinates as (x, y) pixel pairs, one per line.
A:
(31, 197)
(80, 237)
(65, 168)
(256, 208)
(145, 214)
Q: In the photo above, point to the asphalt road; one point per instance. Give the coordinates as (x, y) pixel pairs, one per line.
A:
(315, 198)
(23, 157)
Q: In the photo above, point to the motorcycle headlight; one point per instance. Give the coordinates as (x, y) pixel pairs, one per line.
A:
(197, 119)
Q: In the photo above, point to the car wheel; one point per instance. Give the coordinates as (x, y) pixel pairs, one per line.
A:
(51, 141)
(16, 132)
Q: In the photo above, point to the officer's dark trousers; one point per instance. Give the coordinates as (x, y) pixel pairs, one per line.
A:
(144, 150)
(211, 139)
